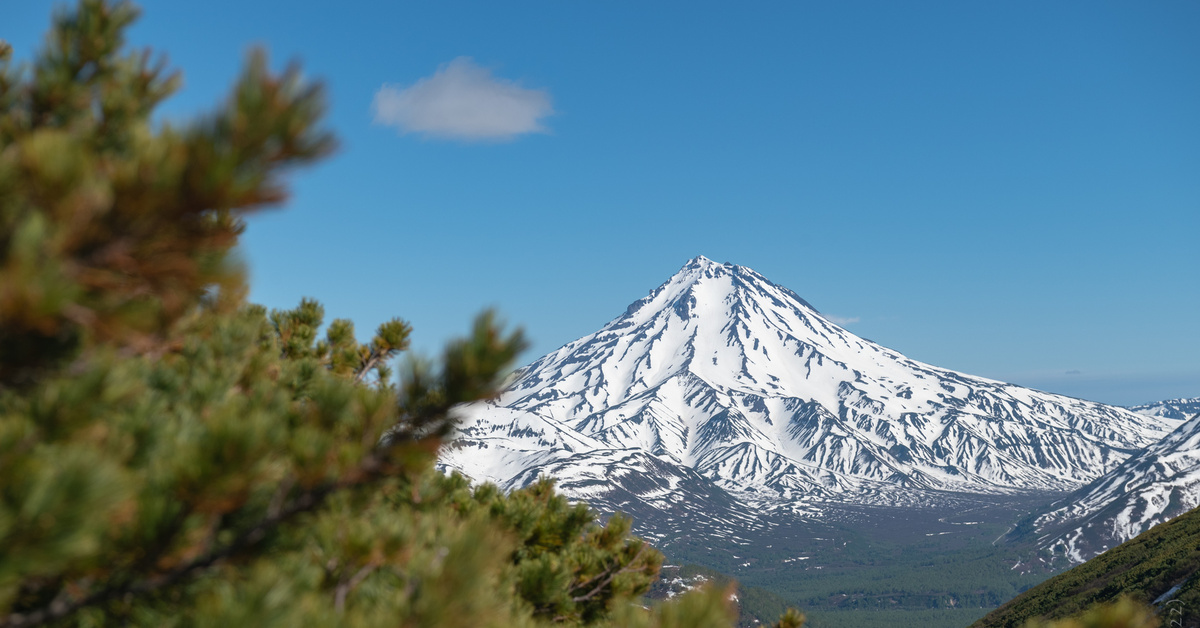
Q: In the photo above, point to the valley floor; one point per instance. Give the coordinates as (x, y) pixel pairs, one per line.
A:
(861, 566)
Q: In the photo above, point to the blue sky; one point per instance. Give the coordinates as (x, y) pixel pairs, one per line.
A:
(1006, 189)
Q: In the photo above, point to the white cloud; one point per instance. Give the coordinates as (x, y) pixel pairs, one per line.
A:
(463, 101)
(841, 321)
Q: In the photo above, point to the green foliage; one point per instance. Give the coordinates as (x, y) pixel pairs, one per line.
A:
(567, 566)
(171, 456)
(340, 352)
(1124, 613)
(791, 619)
(755, 606)
(893, 618)
(111, 231)
(131, 474)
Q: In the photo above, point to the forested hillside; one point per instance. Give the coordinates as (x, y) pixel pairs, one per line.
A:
(1158, 567)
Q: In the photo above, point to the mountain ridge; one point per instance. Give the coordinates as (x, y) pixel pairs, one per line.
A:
(1182, 408)
(724, 372)
(744, 431)
(1153, 486)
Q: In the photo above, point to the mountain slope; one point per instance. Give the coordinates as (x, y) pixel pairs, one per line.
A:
(1160, 566)
(1153, 486)
(721, 374)
(1179, 409)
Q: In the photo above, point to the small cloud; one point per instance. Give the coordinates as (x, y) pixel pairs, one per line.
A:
(1074, 372)
(463, 101)
(841, 321)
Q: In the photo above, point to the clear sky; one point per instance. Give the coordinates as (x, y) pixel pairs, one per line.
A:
(1006, 189)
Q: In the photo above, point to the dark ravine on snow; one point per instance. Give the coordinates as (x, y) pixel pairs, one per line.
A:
(726, 414)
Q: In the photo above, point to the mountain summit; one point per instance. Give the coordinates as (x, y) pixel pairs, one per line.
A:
(721, 377)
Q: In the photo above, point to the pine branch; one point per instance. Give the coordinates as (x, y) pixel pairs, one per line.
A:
(612, 572)
(375, 358)
(343, 589)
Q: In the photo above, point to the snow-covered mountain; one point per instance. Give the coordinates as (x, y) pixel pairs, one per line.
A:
(1180, 409)
(720, 381)
(1153, 486)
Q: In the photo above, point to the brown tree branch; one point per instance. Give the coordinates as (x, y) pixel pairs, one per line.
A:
(612, 572)
(343, 589)
(374, 358)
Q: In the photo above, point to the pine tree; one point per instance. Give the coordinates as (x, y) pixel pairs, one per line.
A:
(173, 456)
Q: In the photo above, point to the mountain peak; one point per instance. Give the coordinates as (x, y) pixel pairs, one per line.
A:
(726, 374)
(701, 266)
(716, 288)
(733, 283)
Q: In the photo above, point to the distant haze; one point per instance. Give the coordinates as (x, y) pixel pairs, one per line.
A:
(1122, 390)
